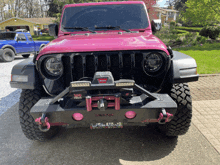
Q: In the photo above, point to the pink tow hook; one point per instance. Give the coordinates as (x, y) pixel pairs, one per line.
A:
(43, 123)
(164, 117)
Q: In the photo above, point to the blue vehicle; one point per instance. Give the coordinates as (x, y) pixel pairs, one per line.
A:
(18, 43)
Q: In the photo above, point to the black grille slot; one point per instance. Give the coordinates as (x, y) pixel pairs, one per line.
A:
(90, 65)
(122, 65)
(102, 63)
(127, 66)
(78, 67)
(115, 66)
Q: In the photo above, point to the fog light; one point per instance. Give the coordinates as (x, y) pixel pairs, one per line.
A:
(130, 114)
(19, 78)
(77, 116)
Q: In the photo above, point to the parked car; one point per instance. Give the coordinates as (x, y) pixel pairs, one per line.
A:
(105, 70)
(18, 43)
(22, 30)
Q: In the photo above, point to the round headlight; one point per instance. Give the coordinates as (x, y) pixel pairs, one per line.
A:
(153, 62)
(54, 66)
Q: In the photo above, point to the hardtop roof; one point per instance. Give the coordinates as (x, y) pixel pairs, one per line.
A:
(103, 3)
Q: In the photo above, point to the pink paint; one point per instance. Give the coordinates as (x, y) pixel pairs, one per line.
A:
(47, 123)
(103, 97)
(130, 114)
(160, 117)
(46, 120)
(168, 117)
(111, 41)
(105, 40)
(117, 103)
(88, 103)
(37, 120)
(77, 116)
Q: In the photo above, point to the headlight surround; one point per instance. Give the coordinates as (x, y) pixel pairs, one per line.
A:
(153, 62)
(52, 67)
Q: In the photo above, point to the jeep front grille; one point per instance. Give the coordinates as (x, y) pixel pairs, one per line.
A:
(122, 64)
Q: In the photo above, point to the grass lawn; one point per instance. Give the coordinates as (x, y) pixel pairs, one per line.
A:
(207, 57)
(45, 38)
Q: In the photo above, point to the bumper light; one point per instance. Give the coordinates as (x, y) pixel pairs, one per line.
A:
(77, 116)
(130, 114)
(19, 78)
(81, 84)
(121, 84)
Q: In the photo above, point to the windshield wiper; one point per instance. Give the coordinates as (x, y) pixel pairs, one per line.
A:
(112, 27)
(80, 28)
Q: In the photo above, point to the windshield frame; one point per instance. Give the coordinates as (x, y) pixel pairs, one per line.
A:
(63, 32)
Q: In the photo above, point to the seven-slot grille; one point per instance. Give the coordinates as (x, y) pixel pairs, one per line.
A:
(123, 65)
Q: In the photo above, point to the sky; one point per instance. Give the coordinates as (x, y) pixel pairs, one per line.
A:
(161, 3)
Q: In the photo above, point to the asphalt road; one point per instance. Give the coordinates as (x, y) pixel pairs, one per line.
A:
(128, 146)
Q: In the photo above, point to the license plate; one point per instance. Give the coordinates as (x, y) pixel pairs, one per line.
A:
(106, 125)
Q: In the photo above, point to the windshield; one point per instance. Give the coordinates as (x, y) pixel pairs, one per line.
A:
(7, 36)
(127, 16)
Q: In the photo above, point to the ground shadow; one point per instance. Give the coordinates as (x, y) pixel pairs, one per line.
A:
(105, 146)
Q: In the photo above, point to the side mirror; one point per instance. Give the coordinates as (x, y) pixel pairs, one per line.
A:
(53, 30)
(18, 39)
(153, 27)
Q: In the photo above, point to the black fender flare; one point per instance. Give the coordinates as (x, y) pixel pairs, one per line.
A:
(184, 68)
(10, 47)
(25, 68)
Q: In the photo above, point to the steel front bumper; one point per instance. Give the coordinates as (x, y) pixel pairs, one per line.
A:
(147, 111)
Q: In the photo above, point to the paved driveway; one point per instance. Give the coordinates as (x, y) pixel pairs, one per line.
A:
(132, 146)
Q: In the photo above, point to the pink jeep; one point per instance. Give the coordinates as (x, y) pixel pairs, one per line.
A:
(105, 70)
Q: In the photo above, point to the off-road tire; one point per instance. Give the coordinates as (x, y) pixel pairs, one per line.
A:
(26, 55)
(180, 124)
(30, 129)
(8, 55)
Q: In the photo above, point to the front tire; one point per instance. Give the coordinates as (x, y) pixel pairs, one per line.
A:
(8, 55)
(30, 129)
(180, 124)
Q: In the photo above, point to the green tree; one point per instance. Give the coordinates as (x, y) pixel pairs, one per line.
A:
(202, 12)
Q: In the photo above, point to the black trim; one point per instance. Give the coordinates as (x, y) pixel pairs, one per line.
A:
(26, 67)
(22, 85)
(186, 79)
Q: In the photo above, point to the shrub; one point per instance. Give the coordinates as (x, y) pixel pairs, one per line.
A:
(199, 38)
(173, 23)
(210, 31)
(203, 40)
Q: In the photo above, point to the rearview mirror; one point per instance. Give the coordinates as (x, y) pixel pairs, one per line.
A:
(53, 30)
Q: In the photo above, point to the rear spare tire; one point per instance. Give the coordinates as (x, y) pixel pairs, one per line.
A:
(8, 55)
(30, 129)
(180, 124)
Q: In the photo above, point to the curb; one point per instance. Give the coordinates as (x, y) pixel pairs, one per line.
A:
(208, 75)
